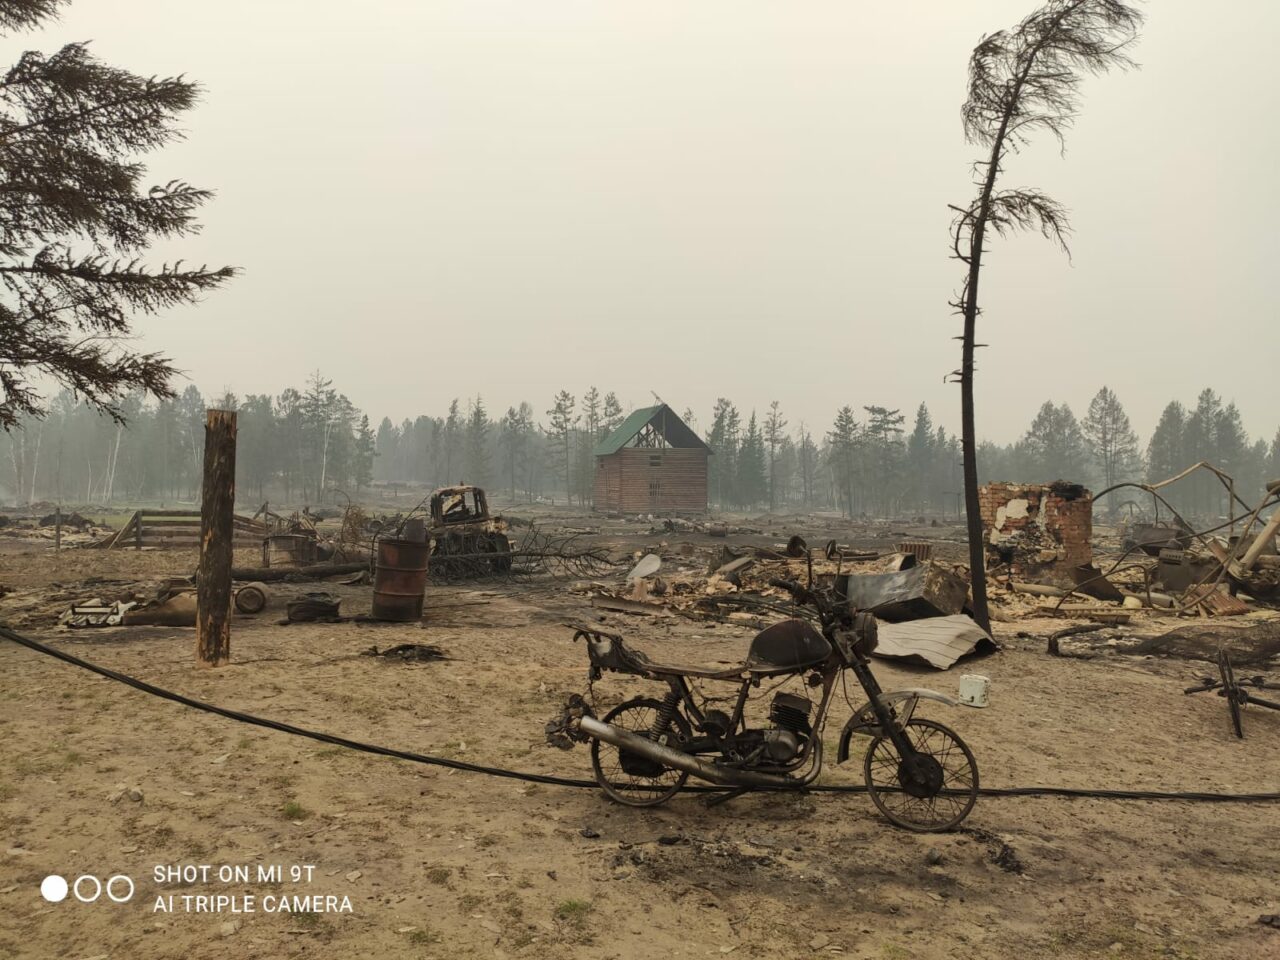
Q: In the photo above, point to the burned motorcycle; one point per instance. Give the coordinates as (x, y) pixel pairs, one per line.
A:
(919, 773)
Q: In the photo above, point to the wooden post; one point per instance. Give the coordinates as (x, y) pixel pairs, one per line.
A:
(217, 516)
(57, 529)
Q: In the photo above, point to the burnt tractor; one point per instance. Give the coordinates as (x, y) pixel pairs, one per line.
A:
(465, 539)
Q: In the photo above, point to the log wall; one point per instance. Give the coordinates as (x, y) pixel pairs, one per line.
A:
(647, 480)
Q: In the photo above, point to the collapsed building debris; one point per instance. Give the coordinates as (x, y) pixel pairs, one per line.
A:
(1246, 562)
(65, 530)
(740, 588)
(1038, 532)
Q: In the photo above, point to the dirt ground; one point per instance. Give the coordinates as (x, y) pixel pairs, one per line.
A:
(98, 779)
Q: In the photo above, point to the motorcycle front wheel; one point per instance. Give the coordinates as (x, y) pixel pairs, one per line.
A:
(628, 777)
(933, 789)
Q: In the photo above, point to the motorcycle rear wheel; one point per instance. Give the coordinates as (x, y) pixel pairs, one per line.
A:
(930, 792)
(637, 788)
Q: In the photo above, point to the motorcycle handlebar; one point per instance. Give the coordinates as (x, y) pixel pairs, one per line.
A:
(802, 595)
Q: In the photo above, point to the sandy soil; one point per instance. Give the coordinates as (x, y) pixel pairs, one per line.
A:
(448, 864)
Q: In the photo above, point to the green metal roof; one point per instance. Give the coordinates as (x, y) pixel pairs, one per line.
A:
(674, 430)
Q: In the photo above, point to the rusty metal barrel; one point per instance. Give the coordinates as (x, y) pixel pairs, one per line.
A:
(288, 550)
(401, 579)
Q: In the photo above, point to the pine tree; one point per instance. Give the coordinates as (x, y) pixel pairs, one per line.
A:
(774, 425)
(387, 450)
(1113, 446)
(453, 427)
(591, 413)
(256, 461)
(920, 455)
(513, 437)
(477, 444)
(1201, 444)
(366, 451)
(808, 466)
(611, 417)
(752, 485)
(884, 440)
(722, 438)
(1166, 450)
(843, 439)
(561, 433)
(1054, 445)
(75, 218)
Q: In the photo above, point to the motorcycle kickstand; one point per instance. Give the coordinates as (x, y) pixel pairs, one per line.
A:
(716, 799)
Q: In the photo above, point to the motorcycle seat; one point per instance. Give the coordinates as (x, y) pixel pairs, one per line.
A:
(786, 647)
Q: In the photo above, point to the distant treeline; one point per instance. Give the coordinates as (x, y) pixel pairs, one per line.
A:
(311, 444)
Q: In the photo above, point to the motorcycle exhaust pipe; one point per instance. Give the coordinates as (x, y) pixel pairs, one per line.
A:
(706, 770)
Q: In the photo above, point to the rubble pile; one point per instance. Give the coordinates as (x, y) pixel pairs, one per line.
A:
(1041, 532)
(738, 587)
(1041, 551)
(74, 530)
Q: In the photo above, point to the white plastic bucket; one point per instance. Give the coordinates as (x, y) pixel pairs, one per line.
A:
(974, 690)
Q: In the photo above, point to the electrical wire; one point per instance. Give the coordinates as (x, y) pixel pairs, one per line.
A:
(248, 718)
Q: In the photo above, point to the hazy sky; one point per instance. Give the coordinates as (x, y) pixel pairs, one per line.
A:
(709, 198)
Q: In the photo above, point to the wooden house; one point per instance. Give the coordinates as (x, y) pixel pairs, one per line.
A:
(653, 463)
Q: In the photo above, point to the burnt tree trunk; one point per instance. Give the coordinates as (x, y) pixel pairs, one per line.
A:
(217, 514)
(968, 428)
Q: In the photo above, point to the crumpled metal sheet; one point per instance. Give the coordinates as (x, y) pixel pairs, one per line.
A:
(925, 590)
(937, 641)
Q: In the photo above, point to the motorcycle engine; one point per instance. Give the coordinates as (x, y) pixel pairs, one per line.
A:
(791, 714)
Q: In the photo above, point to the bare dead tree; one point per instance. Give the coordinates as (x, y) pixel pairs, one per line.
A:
(1021, 81)
(75, 218)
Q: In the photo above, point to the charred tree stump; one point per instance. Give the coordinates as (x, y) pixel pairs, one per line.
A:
(217, 516)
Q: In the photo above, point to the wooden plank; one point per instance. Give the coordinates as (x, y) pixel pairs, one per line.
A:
(123, 532)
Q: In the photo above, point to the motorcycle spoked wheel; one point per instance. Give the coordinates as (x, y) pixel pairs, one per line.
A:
(630, 779)
(931, 791)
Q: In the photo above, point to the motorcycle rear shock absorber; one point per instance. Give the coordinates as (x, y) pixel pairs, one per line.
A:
(662, 722)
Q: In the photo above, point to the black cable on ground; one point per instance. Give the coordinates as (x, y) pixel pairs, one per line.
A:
(329, 738)
(249, 718)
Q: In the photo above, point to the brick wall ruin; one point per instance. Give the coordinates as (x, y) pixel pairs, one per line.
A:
(1041, 531)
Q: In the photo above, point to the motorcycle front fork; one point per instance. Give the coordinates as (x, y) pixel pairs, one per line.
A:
(884, 714)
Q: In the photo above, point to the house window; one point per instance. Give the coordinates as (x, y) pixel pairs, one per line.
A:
(655, 459)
